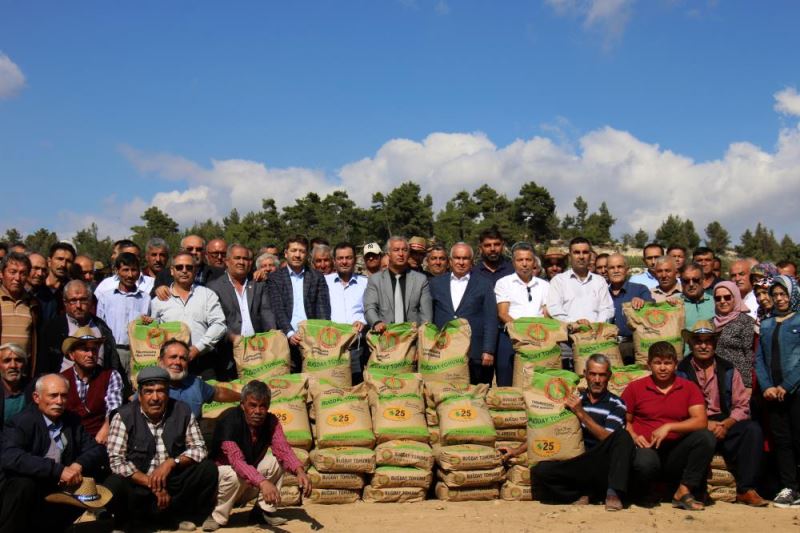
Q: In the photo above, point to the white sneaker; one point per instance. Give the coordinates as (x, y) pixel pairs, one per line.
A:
(786, 498)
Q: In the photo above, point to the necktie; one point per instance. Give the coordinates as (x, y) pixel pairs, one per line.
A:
(398, 301)
(55, 431)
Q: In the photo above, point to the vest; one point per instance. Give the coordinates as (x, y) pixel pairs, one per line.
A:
(724, 373)
(141, 442)
(93, 411)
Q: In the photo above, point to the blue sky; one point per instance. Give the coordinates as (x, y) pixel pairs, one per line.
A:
(658, 106)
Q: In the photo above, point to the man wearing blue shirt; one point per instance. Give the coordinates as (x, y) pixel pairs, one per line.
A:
(648, 278)
(622, 291)
(346, 289)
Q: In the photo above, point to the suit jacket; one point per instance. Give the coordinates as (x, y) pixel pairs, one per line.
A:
(258, 304)
(316, 299)
(26, 441)
(478, 306)
(379, 298)
(50, 356)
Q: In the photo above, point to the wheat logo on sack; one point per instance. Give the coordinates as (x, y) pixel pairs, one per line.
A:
(620, 379)
(278, 383)
(328, 337)
(393, 382)
(546, 447)
(536, 332)
(155, 337)
(388, 340)
(556, 390)
(655, 317)
(257, 343)
(442, 340)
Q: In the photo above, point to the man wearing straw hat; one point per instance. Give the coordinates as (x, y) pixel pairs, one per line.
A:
(47, 450)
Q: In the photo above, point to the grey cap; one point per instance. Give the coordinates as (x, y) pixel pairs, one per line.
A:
(150, 374)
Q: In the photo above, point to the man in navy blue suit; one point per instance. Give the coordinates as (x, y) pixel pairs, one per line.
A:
(462, 294)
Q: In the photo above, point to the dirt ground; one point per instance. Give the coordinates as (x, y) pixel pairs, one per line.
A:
(433, 516)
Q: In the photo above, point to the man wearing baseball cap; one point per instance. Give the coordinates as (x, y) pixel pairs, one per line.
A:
(739, 439)
(158, 458)
(372, 258)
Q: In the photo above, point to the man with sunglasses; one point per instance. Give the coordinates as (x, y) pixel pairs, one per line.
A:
(697, 303)
(518, 295)
(199, 308)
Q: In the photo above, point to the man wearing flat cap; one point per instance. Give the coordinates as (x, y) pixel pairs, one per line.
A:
(158, 459)
(94, 392)
(739, 439)
(555, 262)
(47, 450)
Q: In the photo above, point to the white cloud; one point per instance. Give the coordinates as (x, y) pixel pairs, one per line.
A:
(787, 101)
(12, 80)
(608, 16)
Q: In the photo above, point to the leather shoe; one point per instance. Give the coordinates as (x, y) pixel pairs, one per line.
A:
(613, 503)
(751, 498)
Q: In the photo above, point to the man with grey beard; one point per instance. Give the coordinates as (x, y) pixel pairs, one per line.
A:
(174, 358)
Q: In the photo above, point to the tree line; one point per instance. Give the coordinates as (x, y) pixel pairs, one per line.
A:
(531, 215)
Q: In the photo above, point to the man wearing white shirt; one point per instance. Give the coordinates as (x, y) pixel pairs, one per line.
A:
(109, 284)
(465, 294)
(740, 275)
(518, 295)
(346, 289)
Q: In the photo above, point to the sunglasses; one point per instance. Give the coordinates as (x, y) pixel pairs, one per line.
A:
(217, 254)
(76, 301)
(194, 248)
(181, 268)
(689, 281)
(723, 298)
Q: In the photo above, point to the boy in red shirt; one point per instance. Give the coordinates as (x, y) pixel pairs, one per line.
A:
(668, 423)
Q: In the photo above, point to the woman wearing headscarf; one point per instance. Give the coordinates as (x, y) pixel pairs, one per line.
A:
(737, 329)
(761, 278)
(778, 371)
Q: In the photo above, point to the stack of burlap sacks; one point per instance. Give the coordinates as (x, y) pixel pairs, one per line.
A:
(721, 483)
(507, 408)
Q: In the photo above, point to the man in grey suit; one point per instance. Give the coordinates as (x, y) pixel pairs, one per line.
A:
(246, 303)
(397, 294)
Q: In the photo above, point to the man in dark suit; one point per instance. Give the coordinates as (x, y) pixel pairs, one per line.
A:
(397, 284)
(46, 450)
(297, 293)
(462, 294)
(50, 359)
(245, 302)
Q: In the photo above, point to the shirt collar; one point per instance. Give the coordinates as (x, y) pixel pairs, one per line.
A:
(572, 274)
(352, 281)
(532, 283)
(74, 322)
(603, 398)
(465, 277)
(292, 273)
(48, 423)
(230, 279)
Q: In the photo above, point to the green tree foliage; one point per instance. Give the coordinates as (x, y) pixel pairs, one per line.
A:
(595, 226)
(494, 211)
(717, 237)
(401, 212)
(208, 230)
(159, 224)
(41, 240)
(534, 212)
(760, 244)
(641, 238)
(789, 251)
(458, 220)
(88, 243)
(12, 235)
(676, 231)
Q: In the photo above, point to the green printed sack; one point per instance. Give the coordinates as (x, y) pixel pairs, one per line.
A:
(465, 419)
(146, 341)
(404, 453)
(597, 338)
(214, 409)
(554, 432)
(262, 355)
(443, 354)
(623, 376)
(288, 404)
(342, 415)
(393, 494)
(467, 457)
(395, 349)
(536, 345)
(401, 476)
(325, 347)
(652, 323)
(343, 459)
(505, 399)
(398, 408)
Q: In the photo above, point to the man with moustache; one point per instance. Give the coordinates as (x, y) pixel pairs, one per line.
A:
(17, 385)
(740, 275)
(195, 246)
(216, 253)
(124, 246)
(601, 265)
(156, 256)
(705, 258)
(555, 262)
(698, 304)
(678, 254)
(321, 259)
(436, 261)
(38, 271)
(50, 294)
(159, 461)
(648, 278)
(47, 450)
(667, 276)
(191, 390)
(372, 254)
(624, 291)
(83, 269)
(493, 263)
(19, 310)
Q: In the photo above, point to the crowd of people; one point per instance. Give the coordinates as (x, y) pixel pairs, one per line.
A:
(77, 436)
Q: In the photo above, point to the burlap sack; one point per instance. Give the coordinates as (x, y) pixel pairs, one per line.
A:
(520, 475)
(554, 432)
(335, 480)
(290, 495)
(404, 453)
(343, 459)
(721, 478)
(394, 350)
(464, 418)
(212, 410)
(597, 338)
(289, 480)
(443, 355)
(146, 341)
(401, 476)
(471, 478)
(516, 493)
(289, 398)
(325, 347)
(334, 496)
(513, 434)
(623, 376)
(535, 342)
(509, 419)
(443, 492)
(652, 323)
(505, 399)
(722, 494)
(398, 407)
(718, 462)
(261, 355)
(467, 457)
(342, 416)
(393, 494)
(436, 435)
